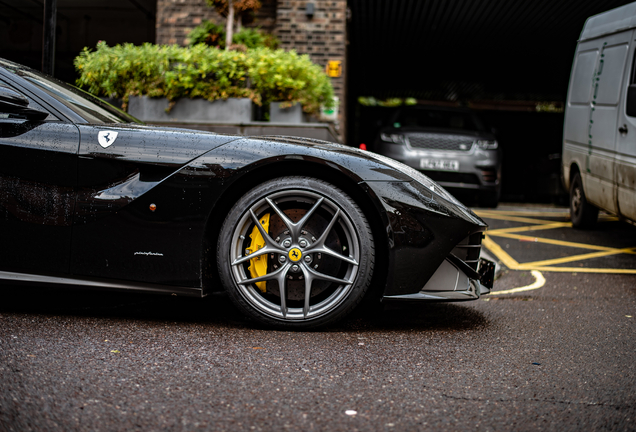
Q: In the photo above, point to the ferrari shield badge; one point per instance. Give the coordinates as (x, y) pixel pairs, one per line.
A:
(106, 138)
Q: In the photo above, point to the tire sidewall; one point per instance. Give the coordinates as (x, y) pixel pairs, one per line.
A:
(338, 197)
(587, 213)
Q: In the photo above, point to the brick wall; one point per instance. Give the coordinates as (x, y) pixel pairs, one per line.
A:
(322, 37)
(176, 18)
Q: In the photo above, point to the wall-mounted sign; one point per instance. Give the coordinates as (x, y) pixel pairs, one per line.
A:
(334, 68)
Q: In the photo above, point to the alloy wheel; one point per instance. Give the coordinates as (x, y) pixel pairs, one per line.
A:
(310, 250)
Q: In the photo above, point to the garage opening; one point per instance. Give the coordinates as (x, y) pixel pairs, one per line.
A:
(508, 61)
(80, 23)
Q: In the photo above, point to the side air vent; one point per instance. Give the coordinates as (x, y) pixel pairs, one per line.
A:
(468, 250)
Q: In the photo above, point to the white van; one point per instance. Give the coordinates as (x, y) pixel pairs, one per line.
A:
(599, 136)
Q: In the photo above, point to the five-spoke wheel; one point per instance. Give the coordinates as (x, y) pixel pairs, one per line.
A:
(296, 252)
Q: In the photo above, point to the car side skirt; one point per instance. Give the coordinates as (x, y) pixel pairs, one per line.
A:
(7, 278)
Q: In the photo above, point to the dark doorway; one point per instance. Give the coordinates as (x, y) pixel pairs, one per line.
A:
(509, 60)
(80, 23)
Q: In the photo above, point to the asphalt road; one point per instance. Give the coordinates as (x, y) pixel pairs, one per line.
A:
(557, 357)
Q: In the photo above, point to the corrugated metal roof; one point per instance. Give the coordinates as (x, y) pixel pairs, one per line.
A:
(465, 49)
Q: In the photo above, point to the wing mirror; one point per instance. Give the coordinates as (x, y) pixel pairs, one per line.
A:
(12, 102)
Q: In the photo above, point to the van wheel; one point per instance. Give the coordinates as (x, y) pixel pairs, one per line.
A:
(582, 213)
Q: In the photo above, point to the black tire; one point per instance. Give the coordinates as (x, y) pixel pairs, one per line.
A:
(303, 253)
(583, 214)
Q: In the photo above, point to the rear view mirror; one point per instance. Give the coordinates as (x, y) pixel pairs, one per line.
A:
(630, 104)
(12, 102)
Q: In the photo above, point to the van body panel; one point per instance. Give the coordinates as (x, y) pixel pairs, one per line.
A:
(583, 72)
(600, 188)
(626, 179)
(576, 156)
(604, 108)
(599, 139)
(602, 131)
(613, 21)
(625, 160)
(577, 114)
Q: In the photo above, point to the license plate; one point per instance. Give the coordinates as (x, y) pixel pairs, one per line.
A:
(439, 164)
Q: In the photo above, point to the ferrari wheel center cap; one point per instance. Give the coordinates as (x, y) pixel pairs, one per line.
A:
(295, 254)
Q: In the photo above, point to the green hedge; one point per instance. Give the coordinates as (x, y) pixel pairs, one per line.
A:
(261, 74)
(212, 34)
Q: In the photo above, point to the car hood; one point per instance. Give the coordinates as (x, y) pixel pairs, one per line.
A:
(399, 170)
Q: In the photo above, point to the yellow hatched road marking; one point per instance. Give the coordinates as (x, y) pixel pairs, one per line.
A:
(539, 224)
(582, 270)
(575, 258)
(555, 242)
(512, 218)
(538, 283)
(525, 213)
(500, 253)
(603, 218)
(530, 228)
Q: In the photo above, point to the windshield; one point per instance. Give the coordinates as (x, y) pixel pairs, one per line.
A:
(87, 106)
(437, 119)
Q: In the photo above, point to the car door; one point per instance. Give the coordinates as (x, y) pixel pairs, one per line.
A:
(625, 163)
(117, 235)
(38, 170)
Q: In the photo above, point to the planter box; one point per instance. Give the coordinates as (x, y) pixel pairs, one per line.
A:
(117, 103)
(191, 110)
(293, 114)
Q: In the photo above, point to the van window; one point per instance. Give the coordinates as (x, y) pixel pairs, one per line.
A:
(584, 68)
(630, 104)
(632, 74)
(610, 74)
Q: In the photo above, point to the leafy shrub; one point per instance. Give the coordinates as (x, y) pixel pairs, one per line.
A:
(255, 38)
(162, 70)
(207, 33)
(262, 74)
(288, 77)
(214, 35)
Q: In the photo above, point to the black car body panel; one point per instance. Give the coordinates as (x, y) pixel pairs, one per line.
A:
(142, 210)
(37, 189)
(422, 231)
(115, 233)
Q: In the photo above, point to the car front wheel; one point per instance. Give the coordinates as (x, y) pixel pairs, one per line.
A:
(296, 252)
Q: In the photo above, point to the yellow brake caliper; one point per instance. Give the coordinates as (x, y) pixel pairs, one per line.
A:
(258, 265)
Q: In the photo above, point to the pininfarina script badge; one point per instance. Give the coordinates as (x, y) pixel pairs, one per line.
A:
(106, 138)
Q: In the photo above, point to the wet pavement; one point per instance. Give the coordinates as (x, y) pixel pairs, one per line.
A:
(557, 355)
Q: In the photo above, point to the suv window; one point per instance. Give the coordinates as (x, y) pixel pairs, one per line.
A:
(439, 119)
